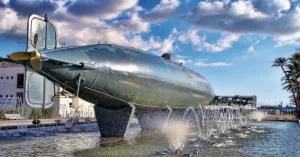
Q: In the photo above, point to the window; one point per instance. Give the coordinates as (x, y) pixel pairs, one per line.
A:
(0, 96)
(7, 77)
(11, 96)
(6, 96)
(20, 81)
(1, 77)
(11, 77)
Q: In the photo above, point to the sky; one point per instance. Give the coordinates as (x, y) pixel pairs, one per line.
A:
(232, 43)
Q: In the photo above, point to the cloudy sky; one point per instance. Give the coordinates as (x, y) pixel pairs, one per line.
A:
(230, 42)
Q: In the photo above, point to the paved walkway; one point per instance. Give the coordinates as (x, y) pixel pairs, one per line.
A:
(11, 123)
(278, 117)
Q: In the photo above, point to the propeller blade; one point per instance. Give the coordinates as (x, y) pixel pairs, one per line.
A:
(35, 61)
(35, 57)
(20, 56)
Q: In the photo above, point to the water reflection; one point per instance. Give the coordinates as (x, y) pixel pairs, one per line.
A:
(142, 144)
(48, 141)
(265, 139)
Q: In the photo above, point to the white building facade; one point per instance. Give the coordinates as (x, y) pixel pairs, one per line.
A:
(12, 82)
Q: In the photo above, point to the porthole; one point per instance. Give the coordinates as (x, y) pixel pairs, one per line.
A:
(11, 77)
(7, 77)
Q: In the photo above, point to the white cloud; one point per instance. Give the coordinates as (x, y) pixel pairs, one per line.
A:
(272, 18)
(201, 63)
(223, 43)
(191, 35)
(103, 32)
(272, 6)
(11, 24)
(205, 59)
(102, 9)
(162, 11)
(106, 32)
(226, 1)
(183, 59)
(89, 30)
(275, 18)
(137, 8)
(251, 49)
(133, 24)
(167, 44)
(241, 9)
(245, 9)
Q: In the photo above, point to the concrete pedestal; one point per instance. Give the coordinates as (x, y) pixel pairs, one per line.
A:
(114, 123)
(152, 118)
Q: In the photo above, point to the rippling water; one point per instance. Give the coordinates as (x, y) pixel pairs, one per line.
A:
(280, 139)
(49, 141)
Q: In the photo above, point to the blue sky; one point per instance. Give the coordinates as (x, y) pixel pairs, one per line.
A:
(230, 42)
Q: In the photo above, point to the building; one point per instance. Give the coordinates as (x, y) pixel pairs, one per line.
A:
(239, 100)
(12, 81)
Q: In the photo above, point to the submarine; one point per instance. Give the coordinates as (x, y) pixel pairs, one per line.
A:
(121, 81)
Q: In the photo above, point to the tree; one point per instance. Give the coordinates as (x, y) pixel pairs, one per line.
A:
(291, 70)
(294, 72)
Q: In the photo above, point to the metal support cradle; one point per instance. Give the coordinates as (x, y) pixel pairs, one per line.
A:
(75, 101)
(79, 82)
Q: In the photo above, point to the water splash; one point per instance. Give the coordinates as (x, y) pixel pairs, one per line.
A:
(258, 115)
(176, 133)
(206, 124)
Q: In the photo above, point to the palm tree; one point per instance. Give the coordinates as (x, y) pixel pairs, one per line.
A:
(291, 70)
(294, 70)
(292, 101)
(288, 83)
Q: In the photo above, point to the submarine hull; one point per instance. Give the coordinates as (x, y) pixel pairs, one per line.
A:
(124, 75)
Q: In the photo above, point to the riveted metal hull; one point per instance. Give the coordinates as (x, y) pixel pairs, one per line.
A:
(124, 74)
